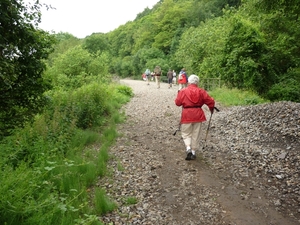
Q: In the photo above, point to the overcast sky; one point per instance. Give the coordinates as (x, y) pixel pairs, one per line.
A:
(84, 17)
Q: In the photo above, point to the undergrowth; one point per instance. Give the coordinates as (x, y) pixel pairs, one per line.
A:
(49, 166)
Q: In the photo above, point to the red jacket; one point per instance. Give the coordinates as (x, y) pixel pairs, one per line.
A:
(192, 98)
(182, 78)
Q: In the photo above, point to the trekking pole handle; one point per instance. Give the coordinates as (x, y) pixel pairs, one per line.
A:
(216, 109)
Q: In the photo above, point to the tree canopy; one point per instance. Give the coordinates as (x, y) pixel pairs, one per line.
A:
(248, 44)
(23, 48)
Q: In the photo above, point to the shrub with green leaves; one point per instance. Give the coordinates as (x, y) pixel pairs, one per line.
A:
(87, 105)
(288, 88)
(77, 67)
(48, 166)
(125, 90)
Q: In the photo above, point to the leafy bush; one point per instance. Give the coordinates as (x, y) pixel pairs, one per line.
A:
(48, 166)
(125, 90)
(243, 57)
(77, 67)
(86, 105)
(288, 88)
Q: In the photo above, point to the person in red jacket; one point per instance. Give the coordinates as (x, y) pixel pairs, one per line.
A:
(192, 98)
(182, 79)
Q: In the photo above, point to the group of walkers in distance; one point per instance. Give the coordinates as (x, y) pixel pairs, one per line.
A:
(191, 98)
(182, 79)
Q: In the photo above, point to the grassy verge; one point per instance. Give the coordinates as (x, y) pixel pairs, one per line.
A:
(49, 168)
(234, 97)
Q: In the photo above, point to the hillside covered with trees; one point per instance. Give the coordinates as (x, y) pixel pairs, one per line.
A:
(248, 44)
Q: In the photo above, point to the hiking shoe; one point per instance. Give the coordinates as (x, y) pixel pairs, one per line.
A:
(189, 156)
(193, 156)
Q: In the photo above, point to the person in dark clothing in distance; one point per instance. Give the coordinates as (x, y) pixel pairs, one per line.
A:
(170, 78)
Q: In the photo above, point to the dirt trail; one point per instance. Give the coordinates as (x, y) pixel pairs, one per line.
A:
(235, 209)
(170, 189)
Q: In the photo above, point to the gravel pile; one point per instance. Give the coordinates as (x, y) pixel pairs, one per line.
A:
(261, 146)
(247, 172)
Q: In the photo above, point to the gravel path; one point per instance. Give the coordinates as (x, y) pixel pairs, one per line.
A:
(247, 173)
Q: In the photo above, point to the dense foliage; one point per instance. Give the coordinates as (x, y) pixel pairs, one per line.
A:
(57, 107)
(22, 50)
(248, 44)
(48, 167)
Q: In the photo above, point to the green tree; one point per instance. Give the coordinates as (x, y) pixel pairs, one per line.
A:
(144, 34)
(146, 12)
(121, 40)
(290, 7)
(169, 18)
(77, 67)
(96, 42)
(280, 23)
(23, 47)
(142, 58)
(243, 59)
(65, 41)
(201, 49)
(204, 10)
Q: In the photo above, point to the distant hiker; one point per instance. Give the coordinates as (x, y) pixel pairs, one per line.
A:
(192, 99)
(157, 73)
(174, 77)
(144, 76)
(152, 75)
(148, 74)
(182, 79)
(170, 77)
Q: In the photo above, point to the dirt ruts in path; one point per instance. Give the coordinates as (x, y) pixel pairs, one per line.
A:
(171, 190)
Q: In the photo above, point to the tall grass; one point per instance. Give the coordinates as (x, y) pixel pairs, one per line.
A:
(234, 97)
(102, 203)
(48, 168)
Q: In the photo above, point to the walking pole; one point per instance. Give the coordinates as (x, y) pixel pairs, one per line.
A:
(209, 126)
(179, 125)
(178, 129)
